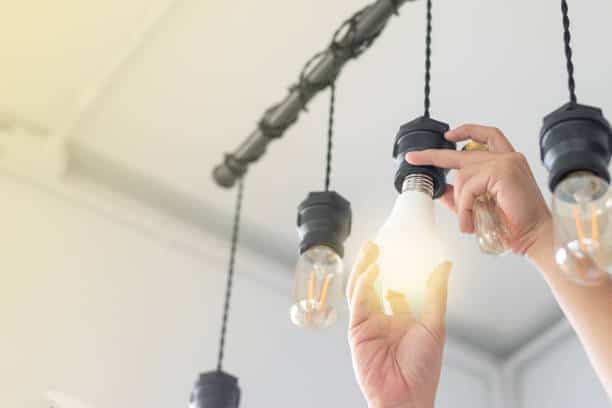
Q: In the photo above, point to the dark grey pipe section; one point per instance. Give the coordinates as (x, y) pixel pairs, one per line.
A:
(280, 117)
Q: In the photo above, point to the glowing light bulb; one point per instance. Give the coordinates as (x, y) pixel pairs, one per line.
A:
(409, 242)
(318, 288)
(581, 209)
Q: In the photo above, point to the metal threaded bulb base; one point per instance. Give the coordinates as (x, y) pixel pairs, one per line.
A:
(419, 182)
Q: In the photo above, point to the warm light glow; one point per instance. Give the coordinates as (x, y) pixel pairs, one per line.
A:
(410, 249)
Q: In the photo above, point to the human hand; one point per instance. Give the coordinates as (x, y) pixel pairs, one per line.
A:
(502, 173)
(397, 359)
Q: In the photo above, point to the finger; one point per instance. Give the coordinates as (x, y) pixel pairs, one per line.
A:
(365, 302)
(434, 308)
(491, 136)
(461, 177)
(367, 255)
(475, 186)
(448, 198)
(446, 158)
(400, 307)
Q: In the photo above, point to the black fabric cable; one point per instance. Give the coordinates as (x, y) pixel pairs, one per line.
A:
(330, 133)
(428, 60)
(567, 38)
(230, 272)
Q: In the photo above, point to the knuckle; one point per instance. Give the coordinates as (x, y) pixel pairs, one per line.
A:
(497, 131)
(517, 161)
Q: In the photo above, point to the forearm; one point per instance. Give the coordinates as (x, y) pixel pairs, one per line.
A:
(588, 309)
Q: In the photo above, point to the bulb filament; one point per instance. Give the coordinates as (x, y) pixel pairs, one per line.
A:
(324, 291)
(580, 228)
(594, 225)
(310, 290)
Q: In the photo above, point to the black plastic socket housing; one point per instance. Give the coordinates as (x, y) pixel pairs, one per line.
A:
(215, 389)
(575, 138)
(324, 218)
(421, 134)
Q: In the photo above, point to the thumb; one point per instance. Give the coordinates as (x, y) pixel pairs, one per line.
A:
(434, 308)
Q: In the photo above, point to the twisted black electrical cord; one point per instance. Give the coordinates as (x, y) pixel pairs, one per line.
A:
(428, 60)
(567, 37)
(230, 272)
(330, 133)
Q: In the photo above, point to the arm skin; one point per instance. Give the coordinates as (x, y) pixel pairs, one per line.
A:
(506, 175)
(588, 309)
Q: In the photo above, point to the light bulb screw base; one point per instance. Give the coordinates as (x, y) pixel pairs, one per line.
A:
(324, 218)
(215, 389)
(421, 134)
(575, 138)
(422, 183)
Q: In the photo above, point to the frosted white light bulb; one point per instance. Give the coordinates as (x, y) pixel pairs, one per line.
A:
(409, 242)
(318, 288)
(581, 209)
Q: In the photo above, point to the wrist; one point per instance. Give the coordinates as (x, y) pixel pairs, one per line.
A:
(412, 404)
(542, 247)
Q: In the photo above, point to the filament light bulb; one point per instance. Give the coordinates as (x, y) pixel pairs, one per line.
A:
(324, 223)
(318, 288)
(409, 242)
(575, 147)
(490, 222)
(583, 238)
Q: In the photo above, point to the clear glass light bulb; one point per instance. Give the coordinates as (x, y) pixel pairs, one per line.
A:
(409, 242)
(490, 223)
(581, 208)
(490, 226)
(318, 288)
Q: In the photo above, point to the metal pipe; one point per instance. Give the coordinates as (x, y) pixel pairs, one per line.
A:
(366, 26)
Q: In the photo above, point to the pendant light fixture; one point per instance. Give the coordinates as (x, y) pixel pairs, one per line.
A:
(575, 147)
(409, 241)
(218, 389)
(323, 224)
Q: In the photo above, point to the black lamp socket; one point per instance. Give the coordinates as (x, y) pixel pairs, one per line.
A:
(421, 134)
(215, 389)
(575, 138)
(324, 218)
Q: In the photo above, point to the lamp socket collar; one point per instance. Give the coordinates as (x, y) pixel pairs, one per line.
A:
(324, 218)
(420, 134)
(575, 138)
(215, 389)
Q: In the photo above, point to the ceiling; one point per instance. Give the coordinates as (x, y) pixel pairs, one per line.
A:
(150, 94)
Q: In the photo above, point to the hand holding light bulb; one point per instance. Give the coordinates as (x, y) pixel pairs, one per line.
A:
(501, 173)
(506, 176)
(397, 359)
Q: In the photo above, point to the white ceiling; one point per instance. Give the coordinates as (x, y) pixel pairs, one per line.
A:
(168, 106)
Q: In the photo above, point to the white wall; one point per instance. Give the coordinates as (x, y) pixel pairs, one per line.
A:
(554, 371)
(112, 303)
